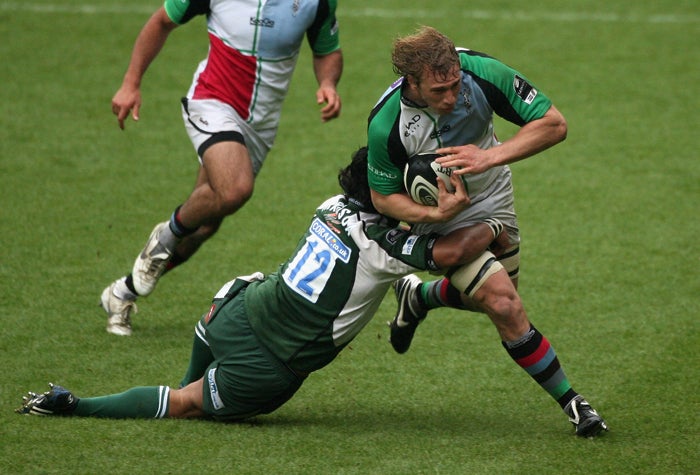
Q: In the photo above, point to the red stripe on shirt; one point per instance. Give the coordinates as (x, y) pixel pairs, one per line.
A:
(229, 76)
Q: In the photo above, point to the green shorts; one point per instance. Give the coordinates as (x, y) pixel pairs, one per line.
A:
(245, 379)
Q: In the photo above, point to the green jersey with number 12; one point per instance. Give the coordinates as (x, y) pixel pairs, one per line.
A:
(330, 288)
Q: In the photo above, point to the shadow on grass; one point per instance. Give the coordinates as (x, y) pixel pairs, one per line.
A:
(489, 423)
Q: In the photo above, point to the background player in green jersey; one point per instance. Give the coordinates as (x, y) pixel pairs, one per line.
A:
(263, 335)
(444, 102)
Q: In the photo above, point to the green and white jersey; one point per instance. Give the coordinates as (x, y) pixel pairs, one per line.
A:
(399, 129)
(330, 288)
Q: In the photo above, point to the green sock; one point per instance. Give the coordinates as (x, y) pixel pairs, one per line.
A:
(140, 402)
(439, 293)
(200, 359)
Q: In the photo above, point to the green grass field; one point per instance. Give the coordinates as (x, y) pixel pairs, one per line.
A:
(609, 270)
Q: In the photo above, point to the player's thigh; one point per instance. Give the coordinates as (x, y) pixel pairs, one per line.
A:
(246, 379)
(250, 385)
(226, 166)
(209, 122)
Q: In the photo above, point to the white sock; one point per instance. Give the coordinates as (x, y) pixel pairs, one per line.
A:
(121, 291)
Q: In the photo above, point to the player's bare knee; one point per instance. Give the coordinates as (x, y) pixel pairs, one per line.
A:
(231, 200)
(506, 306)
(186, 402)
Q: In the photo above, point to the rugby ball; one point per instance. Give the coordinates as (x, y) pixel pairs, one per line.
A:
(420, 178)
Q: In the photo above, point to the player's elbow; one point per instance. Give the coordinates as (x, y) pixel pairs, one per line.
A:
(380, 203)
(558, 126)
(381, 208)
(561, 130)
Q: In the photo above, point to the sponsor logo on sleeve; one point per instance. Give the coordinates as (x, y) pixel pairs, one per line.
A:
(393, 236)
(407, 248)
(524, 90)
(381, 173)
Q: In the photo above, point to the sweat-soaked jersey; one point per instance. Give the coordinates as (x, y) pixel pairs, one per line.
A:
(330, 288)
(399, 129)
(253, 48)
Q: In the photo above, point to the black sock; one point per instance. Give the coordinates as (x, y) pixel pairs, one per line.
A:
(130, 284)
(176, 226)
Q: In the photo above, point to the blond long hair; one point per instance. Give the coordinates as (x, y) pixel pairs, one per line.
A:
(426, 49)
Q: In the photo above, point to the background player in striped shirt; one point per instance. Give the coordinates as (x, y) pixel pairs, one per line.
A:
(231, 113)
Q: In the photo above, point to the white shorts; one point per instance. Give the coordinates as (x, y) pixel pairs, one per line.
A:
(208, 121)
(497, 202)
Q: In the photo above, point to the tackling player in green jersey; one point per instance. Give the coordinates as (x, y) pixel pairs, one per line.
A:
(263, 335)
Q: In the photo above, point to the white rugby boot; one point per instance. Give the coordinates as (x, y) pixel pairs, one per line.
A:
(118, 310)
(153, 260)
